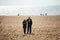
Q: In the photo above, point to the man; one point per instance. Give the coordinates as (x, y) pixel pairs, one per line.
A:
(29, 25)
(24, 26)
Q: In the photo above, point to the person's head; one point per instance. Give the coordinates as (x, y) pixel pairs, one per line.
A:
(28, 17)
(24, 19)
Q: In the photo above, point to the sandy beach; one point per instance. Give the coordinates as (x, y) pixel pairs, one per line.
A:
(43, 28)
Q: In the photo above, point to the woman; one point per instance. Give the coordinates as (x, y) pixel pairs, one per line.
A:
(24, 26)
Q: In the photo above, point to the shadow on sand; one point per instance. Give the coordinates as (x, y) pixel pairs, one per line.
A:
(28, 34)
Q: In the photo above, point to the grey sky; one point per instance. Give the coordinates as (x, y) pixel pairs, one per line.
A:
(30, 2)
(28, 7)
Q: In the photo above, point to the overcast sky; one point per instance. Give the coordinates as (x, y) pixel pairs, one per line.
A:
(16, 5)
(30, 2)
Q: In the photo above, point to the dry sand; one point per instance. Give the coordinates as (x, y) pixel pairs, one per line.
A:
(43, 28)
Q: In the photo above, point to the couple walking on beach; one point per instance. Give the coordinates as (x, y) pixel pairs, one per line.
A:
(27, 25)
